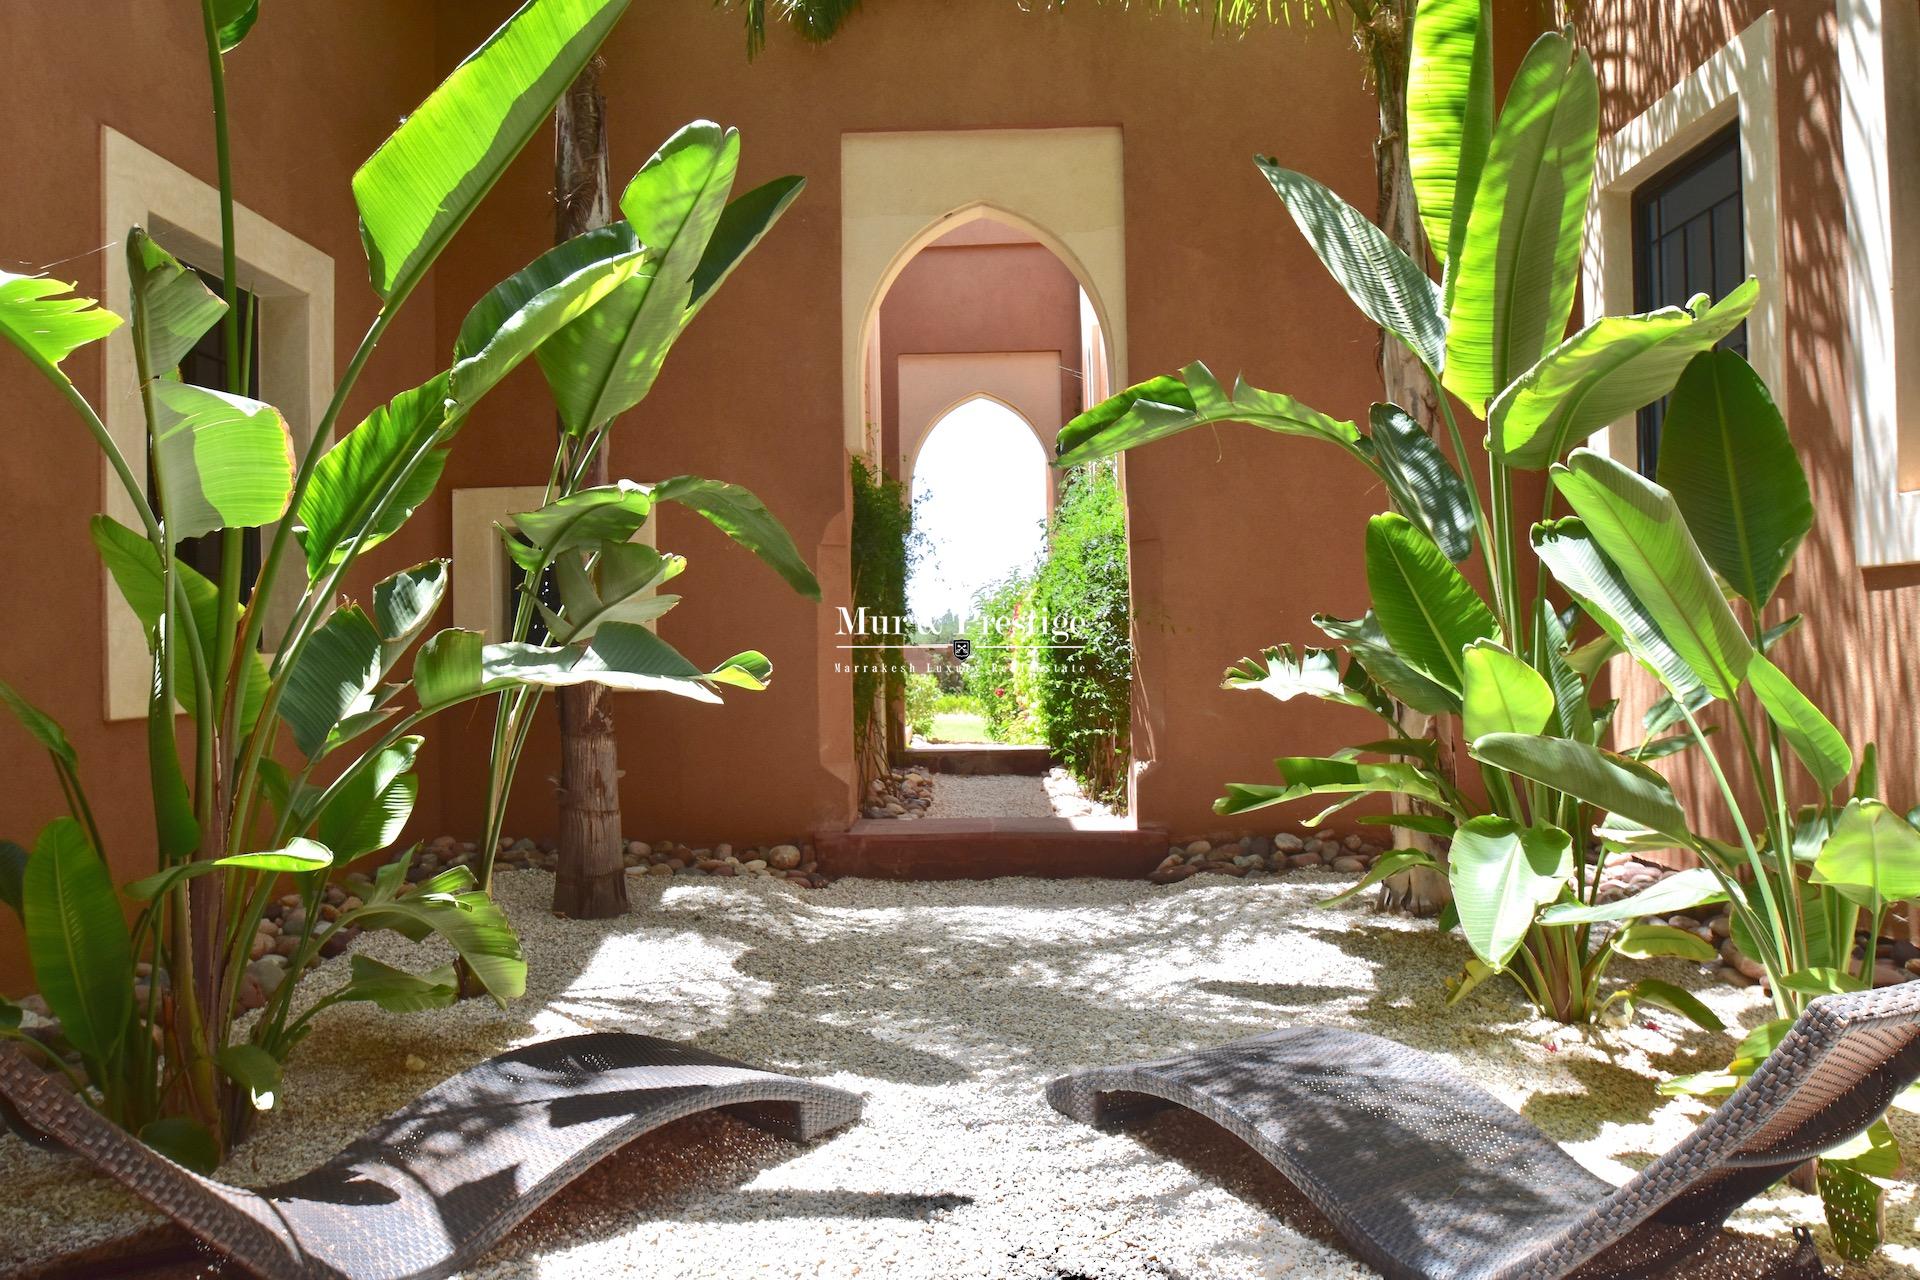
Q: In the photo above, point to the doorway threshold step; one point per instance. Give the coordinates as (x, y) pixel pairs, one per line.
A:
(987, 848)
(974, 758)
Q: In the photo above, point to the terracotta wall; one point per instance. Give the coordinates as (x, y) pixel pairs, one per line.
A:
(312, 92)
(1222, 520)
(978, 297)
(1856, 654)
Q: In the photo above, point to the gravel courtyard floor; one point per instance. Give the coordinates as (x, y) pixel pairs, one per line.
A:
(949, 1006)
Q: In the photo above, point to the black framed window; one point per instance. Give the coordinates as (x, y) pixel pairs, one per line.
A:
(206, 366)
(1688, 238)
(537, 632)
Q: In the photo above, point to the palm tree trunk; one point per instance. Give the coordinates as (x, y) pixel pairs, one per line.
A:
(590, 879)
(1389, 40)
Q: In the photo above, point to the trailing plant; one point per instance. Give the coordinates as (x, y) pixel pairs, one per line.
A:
(884, 550)
(1085, 660)
(1503, 199)
(678, 220)
(347, 685)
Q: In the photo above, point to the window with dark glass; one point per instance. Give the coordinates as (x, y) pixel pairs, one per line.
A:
(206, 366)
(537, 632)
(1688, 239)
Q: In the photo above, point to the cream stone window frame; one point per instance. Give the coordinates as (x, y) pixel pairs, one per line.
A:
(480, 581)
(1736, 83)
(1879, 112)
(293, 283)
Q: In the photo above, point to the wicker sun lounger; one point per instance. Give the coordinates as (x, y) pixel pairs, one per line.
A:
(435, 1184)
(1428, 1176)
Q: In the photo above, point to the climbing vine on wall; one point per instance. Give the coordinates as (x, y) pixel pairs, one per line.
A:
(884, 547)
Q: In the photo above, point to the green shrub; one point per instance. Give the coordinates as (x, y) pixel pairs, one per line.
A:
(999, 674)
(923, 701)
(1084, 694)
(884, 548)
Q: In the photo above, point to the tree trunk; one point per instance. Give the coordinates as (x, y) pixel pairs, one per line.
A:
(1402, 378)
(590, 880)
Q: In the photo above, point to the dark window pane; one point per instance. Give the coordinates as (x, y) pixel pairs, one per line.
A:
(1687, 241)
(537, 632)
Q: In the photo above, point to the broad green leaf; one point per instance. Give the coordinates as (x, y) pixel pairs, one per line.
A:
(1822, 982)
(1429, 612)
(1873, 856)
(419, 187)
(1851, 1201)
(1162, 407)
(1470, 978)
(604, 513)
(1424, 484)
(1322, 775)
(451, 905)
(1575, 559)
(1875, 1152)
(1727, 459)
(743, 224)
(737, 513)
(220, 461)
(536, 302)
(1677, 999)
(1701, 1084)
(1388, 864)
(448, 668)
(13, 872)
(1513, 280)
(300, 856)
(605, 363)
(370, 811)
(1649, 941)
(396, 990)
(135, 567)
(1611, 368)
(1502, 874)
(175, 824)
(1377, 274)
(77, 940)
(333, 678)
(1681, 891)
(185, 1142)
(172, 306)
(253, 1069)
(1572, 714)
(1600, 778)
(1819, 745)
(1285, 675)
(43, 728)
(403, 604)
(1640, 528)
(1502, 694)
(1449, 114)
(232, 19)
(1759, 1043)
(618, 587)
(1368, 644)
(625, 657)
(388, 454)
(47, 321)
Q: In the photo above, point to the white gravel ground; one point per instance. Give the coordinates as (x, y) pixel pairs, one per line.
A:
(948, 1006)
(988, 795)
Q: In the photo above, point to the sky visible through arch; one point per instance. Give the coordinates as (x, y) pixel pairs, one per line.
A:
(979, 488)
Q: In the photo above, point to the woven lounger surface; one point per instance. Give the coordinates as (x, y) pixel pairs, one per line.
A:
(1430, 1177)
(431, 1187)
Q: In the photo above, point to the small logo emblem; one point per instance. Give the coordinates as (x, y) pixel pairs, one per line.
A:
(962, 649)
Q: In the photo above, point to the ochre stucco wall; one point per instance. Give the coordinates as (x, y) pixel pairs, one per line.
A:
(978, 297)
(312, 92)
(1222, 520)
(1855, 655)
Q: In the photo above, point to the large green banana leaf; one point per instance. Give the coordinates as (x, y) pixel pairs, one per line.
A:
(1502, 694)
(1430, 613)
(736, 512)
(1821, 747)
(1639, 526)
(1502, 874)
(419, 187)
(353, 475)
(221, 461)
(172, 306)
(1600, 778)
(77, 941)
(624, 657)
(1613, 367)
(47, 321)
(1872, 858)
(1370, 648)
(1424, 484)
(1166, 406)
(1513, 280)
(1727, 459)
(1284, 674)
(1449, 114)
(1377, 274)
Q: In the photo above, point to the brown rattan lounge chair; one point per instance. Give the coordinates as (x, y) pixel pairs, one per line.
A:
(1429, 1176)
(431, 1187)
